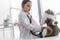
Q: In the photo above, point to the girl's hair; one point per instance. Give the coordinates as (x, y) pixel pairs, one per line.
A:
(24, 2)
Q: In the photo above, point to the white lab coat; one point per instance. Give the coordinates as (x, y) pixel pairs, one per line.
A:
(25, 26)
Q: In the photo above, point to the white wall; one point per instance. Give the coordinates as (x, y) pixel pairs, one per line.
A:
(4, 9)
(50, 4)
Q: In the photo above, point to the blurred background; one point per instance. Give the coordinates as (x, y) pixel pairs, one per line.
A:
(10, 9)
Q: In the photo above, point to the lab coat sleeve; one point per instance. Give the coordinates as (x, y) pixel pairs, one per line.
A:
(34, 23)
(27, 25)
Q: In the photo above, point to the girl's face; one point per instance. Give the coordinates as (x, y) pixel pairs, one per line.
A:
(27, 6)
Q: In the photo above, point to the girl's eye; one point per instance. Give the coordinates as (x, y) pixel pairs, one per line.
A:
(28, 6)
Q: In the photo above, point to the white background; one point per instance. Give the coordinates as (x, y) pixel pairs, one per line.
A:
(45, 4)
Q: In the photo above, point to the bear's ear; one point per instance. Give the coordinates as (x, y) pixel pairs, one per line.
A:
(47, 11)
(50, 12)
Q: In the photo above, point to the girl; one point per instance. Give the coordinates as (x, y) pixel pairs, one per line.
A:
(26, 23)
